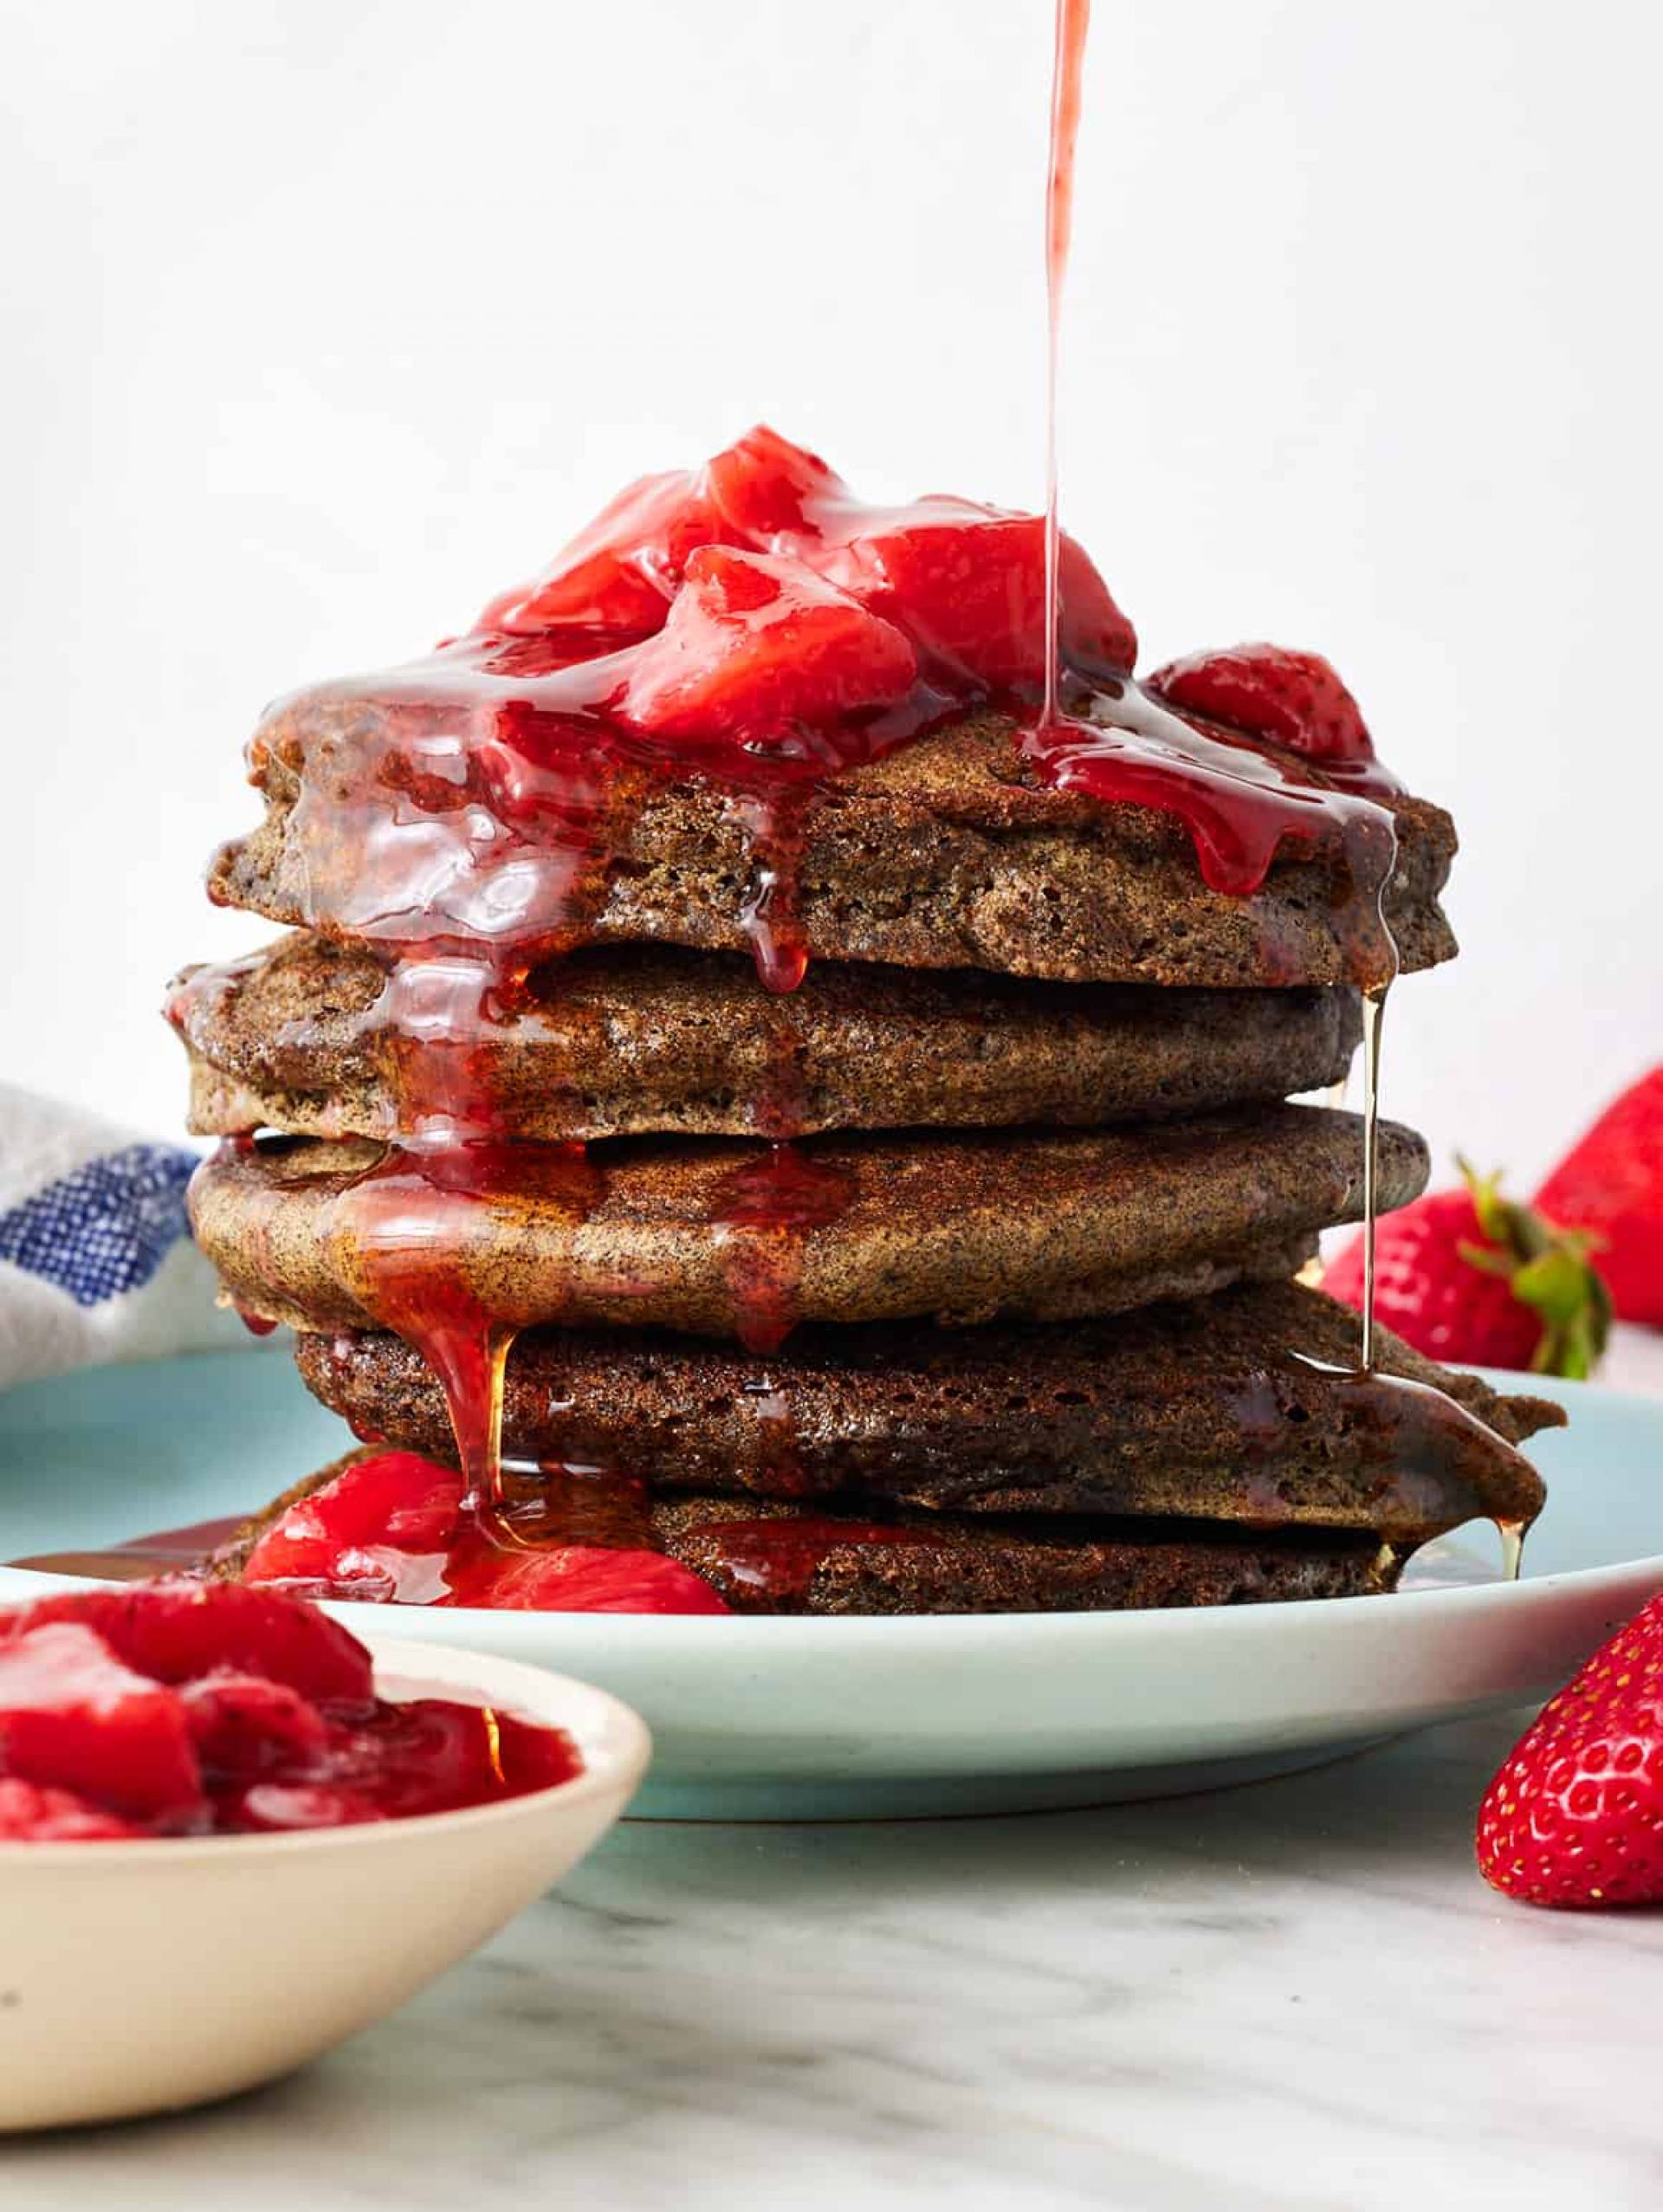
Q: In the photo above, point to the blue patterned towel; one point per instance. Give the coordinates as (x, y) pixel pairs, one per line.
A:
(96, 1261)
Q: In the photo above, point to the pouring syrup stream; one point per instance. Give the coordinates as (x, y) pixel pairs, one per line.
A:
(1373, 1013)
(1073, 20)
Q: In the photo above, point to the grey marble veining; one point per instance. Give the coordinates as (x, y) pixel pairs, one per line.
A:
(1293, 1995)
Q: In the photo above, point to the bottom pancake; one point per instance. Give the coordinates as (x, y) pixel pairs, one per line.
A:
(763, 1556)
(1239, 1407)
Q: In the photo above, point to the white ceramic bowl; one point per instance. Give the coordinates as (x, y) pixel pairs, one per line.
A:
(138, 1978)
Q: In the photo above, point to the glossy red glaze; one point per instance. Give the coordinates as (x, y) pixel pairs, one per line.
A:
(779, 1558)
(392, 1529)
(767, 1210)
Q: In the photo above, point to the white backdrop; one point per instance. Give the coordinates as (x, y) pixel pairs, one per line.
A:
(325, 318)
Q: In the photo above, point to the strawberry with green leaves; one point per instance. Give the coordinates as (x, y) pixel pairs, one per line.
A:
(1574, 1818)
(1472, 1278)
(1610, 1184)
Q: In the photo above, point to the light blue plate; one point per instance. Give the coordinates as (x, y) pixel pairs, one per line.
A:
(786, 1718)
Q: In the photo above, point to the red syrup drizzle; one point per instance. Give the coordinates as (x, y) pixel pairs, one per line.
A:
(394, 1529)
(1067, 63)
(766, 1212)
(416, 1234)
(778, 1558)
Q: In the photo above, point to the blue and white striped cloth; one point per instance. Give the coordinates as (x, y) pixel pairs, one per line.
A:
(96, 1261)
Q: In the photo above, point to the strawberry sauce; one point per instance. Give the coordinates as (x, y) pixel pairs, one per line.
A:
(177, 1708)
(394, 1529)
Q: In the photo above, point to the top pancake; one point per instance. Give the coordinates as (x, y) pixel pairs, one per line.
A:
(948, 853)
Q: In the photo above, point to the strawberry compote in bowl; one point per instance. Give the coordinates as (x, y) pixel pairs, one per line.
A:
(232, 1833)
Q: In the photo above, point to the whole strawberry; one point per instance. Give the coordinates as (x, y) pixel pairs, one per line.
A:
(1611, 1184)
(1470, 1278)
(1576, 1815)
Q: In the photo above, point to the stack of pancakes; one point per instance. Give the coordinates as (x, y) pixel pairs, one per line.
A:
(1013, 1322)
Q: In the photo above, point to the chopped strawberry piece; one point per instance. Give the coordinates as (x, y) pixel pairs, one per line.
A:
(621, 573)
(395, 1501)
(763, 487)
(578, 1578)
(391, 1526)
(967, 585)
(245, 1725)
(91, 1748)
(757, 646)
(30, 1813)
(1294, 699)
(963, 582)
(175, 1629)
(73, 1716)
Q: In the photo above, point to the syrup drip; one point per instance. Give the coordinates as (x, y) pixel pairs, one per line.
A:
(416, 1233)
(778, 1447)
(777, 831)
(766, 1213)
(1433, 1464)
(1512, 1535)
(779, 1558)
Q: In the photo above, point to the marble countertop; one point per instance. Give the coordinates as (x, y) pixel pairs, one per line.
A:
(1298, 1994)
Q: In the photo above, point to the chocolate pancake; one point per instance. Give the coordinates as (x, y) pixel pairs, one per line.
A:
(726, 1238)
(765, 1556)
(948, 853)
(1239, 1408)
(637, 1039)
